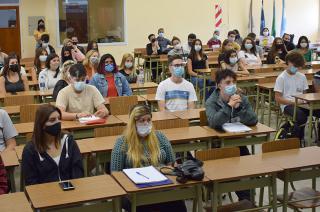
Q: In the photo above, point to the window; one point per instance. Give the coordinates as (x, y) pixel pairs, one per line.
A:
(99, 20)
(8, 18)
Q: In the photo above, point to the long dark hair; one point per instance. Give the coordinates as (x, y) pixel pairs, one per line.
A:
(37, 62)
(228, 54)
(253, 50)
(90, 45)
(299, 42)
(193, 52)
(101, 65)
(11, 56)
(64, 58)
(49, 58)
(38, 137)
(274, 51)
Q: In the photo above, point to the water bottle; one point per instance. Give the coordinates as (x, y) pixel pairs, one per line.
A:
(42, 83)
(140, 77)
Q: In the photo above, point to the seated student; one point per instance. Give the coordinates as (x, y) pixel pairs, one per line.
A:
(303, 48)
(191, 38)
(78, 99)
(287, 42)
(92, 45)
(163, 42)
(128, 69)
(232, 38)
(226, 45)
(75, 42)
(238, 39)
(260, 50)
(176, 93)
(2, 57)
(226, 105)
(39, 62)
(4, 188)
(52, 74)
(108, 80)
(214, 42)
(142, 146)
(266, 39)
(45, 44)
(232, 63)
(153, 48)
(71, 53)
(65, 78)
(289, 83)
(177, 49)
(51, 155)
(91, 63)
(248, 54)
(277, 53)
(7, 133)
(11, 80)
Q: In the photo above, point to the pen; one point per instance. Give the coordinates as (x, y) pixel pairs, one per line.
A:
(142, 175)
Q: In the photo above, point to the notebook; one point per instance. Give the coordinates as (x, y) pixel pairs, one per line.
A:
(91, 120)
(146, 177)
(235, 127)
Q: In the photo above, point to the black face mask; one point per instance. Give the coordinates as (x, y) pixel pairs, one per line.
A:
(279, 46)
(53, 130)
(75, 43)
(14, 67)
(153, 40)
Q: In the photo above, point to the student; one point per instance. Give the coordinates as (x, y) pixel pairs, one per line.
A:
(51, 75)
(142, 146)
(176, 93)
(303, 48)
(91, 62)
(177, 49)
(214, 42)
(287, 42)
(266, 39)
(51, 156)
(108, 80)
(163, 42)
(92, 45)
(39, 61)
(2, 57)
(11, 80)
(78, 99)
(45, 39)
(65, 78)
(4, 188)
(232, 63)
(7, 133)
(66, 54)
(238, 39)
(289, 83)
(128, 69)
(41, 29)
(226, 45)
(153, 48)
(191, 38)
(277, 52)
(75, 42)
(232, 37)
(260, 50)
(248, 54)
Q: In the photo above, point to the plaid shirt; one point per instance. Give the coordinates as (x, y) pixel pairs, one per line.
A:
(3, 179)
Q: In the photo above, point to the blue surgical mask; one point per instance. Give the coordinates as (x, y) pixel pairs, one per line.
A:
(230, 89)
(161, 34)
(79, 86)
(233, 60)
(293, 70)
(178, 71)
(248, 46)
(109, 68)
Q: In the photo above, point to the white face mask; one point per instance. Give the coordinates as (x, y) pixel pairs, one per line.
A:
(303, 45)
(197, 48)
(45, 45)
(177, 47)
(128, 64)
(43, 58)
(266, 33)
(144, 129)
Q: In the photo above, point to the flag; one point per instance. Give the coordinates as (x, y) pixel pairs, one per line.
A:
(250, 25)
(262, 20)
(283, 19)
(273, 31)
(218, 16)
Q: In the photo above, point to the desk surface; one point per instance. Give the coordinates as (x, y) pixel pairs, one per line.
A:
(149, 97)
(130, 187)
(266, 66)
(237, 167)
(9, 158)
(12, 109)
(309, 97)
(248, 78)
(190, 114)
(145, 85)
(48, 195)
(29, 93)
(256, 130)
(100, 144)
(24, 128)
(14, 202)
(156, 116)
(270, 85)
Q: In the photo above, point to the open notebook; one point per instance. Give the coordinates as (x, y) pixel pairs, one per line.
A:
(235, 127)
(146, 177)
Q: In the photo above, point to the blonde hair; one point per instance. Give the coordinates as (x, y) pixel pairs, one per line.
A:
(135, 146)
(66, 40)
(86, 61)
(123, 61)
(65, 69)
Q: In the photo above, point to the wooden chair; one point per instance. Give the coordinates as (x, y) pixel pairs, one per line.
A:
(28, 112)
(121, 105)
(172, 123)
(152, 90)
(15, 100)
(303, 193)
(108, 131)
(203, 118)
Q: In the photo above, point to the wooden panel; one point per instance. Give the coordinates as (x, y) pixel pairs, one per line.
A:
(172, 123)
(292, 143)
(121, 105)
(28, 112)
(109, 131)
(219, 153)
(18, 100)
(203, 118)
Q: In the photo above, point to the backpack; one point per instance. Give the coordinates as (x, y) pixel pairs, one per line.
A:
(289, 129)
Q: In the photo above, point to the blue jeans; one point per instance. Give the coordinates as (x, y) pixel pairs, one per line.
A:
(200, 82)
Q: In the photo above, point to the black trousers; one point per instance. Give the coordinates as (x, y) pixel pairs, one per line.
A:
(174, 206)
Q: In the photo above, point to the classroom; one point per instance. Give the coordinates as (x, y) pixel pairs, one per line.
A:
(170, 106)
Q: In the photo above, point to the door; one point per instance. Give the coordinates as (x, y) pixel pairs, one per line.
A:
(10, 29)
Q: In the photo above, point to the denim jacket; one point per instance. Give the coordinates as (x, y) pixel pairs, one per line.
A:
(122, 85)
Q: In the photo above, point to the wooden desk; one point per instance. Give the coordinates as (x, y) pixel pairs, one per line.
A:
(135, 86)
(240, 170)
(149, 97)
(156, 116)
(29, 93)
(159, 194)
(12, 110)
(50, 195)
(14, 202)
(10, 161)
(191, 114)
(264, 67)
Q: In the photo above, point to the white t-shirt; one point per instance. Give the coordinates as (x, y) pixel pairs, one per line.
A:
(290, 85)
(176, 96)
(49, 78)
(250, 58)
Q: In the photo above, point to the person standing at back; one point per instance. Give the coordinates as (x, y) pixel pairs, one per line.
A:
(40, 30)
(163, 42)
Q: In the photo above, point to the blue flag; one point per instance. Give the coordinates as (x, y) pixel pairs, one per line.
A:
(262, 20)
(283, 19)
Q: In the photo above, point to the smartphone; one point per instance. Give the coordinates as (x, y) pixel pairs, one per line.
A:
(66, 185)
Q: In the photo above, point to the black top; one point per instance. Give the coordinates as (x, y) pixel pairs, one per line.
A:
(149, 49)
(59, 86)
(131, 78)
(199, 64)
(271, 59)
(13, 87)
(51, 49)
(290, 46)
(221, 58)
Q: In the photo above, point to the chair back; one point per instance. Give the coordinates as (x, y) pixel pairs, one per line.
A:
(280, 145)
(14, 100)
(218, 153)
(171, 123)
(108, 131)
(121, 105)
(28, 112)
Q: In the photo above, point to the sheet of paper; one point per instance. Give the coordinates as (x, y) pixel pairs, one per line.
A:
(143, 175)
(235, 127)
(84, 120)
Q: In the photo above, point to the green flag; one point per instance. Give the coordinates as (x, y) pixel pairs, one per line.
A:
(273, 31)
